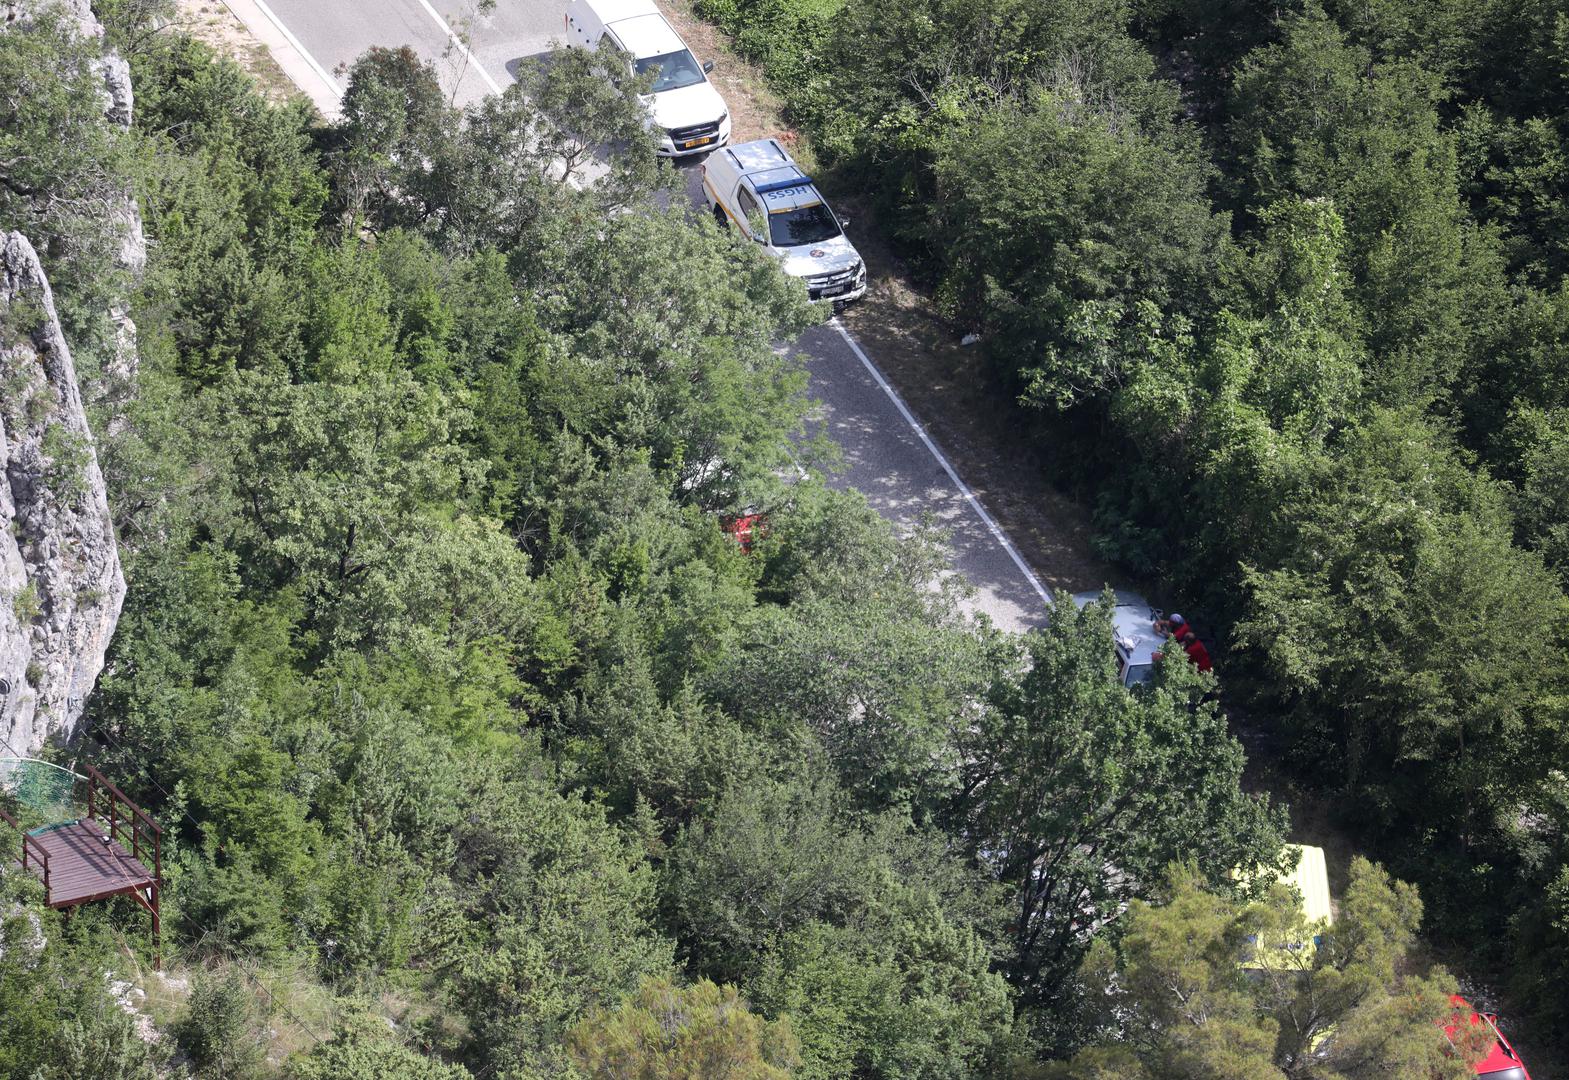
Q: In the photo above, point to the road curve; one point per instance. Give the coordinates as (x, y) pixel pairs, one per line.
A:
(888, 456)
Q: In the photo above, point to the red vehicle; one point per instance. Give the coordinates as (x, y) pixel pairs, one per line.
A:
(1501, 1062)
(745, 529)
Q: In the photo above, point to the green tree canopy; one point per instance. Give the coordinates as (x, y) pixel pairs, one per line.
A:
(1183, 992)
(667, 1031)
(1079, 792)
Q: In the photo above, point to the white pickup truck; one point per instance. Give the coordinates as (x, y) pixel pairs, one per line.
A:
(684, 106)
(758, 188)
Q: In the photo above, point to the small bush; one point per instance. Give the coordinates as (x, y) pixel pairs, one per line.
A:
(69, 456)
(27, 605)
(217, 1031)
(784, 36)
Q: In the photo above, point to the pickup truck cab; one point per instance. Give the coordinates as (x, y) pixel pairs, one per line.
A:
(758, 188)
(684, 106)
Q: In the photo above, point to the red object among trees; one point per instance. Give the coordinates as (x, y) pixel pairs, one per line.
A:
(1501, 1062)
(1197, 653)
(745, 528)
(1194, 648)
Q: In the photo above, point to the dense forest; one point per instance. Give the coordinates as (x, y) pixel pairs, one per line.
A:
(482, 751)
(1280, 289)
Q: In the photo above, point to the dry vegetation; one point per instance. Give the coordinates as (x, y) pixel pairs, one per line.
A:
(212, 23)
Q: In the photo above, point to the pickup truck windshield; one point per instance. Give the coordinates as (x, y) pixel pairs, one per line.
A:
(1139, 674)
(671, 71)
(803, 225)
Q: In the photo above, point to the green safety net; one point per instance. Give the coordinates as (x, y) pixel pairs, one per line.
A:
(42, 791)
(40, 830)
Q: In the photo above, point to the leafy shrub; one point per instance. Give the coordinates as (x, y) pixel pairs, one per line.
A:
(365, 1047)
(664, 1030)
(217, 1029)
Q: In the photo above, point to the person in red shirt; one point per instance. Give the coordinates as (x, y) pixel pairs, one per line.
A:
(1195, 650)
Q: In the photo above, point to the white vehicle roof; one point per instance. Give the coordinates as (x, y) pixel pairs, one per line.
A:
(1132, 624)
(750, 157)
(647, 35)
(772, 175)
(610, 11)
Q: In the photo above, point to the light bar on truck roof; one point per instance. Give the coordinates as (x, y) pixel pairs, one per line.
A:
(780, 185)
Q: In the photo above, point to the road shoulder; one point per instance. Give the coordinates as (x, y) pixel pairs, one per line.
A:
(248, 33)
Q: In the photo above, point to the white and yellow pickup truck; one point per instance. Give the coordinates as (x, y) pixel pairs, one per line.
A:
(757, 188)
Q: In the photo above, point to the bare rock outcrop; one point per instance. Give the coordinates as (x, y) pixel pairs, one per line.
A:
(61, 585)
(60, 581)
(119, 372)
(115, 71)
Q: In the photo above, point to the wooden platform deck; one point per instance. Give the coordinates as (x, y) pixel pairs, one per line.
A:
(84, 867)
(86, 859)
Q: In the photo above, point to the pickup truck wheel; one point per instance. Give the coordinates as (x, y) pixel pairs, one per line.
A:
(721, 217)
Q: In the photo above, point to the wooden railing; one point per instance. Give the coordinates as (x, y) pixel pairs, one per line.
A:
(122, 815)
(39, 855)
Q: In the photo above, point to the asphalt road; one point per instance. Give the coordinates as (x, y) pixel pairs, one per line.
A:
(888, 456)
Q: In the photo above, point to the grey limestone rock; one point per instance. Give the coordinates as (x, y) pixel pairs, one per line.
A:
(117, 84)
(60, 581)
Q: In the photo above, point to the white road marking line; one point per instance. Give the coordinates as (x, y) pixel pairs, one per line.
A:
(495, 87)
(964, 489)
(294, 42)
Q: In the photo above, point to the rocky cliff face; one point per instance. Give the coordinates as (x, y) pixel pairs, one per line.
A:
(60, 580)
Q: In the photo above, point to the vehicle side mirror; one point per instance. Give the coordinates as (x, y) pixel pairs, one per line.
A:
(708, 65)
(844, 223)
